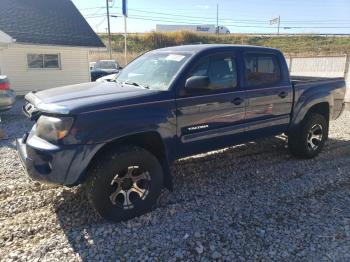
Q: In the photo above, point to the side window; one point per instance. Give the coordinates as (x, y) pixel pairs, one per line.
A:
(261, 69)
(221, 70)
(201, 69)
(43, 61)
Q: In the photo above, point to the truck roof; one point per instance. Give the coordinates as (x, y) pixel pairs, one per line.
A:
(203, 47)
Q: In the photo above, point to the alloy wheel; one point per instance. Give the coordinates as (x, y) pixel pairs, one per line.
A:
(314, 137)
(129, 186)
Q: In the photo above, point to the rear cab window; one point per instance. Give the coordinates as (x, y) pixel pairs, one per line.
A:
(261, 69)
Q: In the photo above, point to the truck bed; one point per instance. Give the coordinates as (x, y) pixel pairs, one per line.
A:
(331, 87)
(312, 79)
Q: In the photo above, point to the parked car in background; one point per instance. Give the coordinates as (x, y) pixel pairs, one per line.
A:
(91, 65)
(119, 138)
(7, 96)
(104, 67)
(107, 78)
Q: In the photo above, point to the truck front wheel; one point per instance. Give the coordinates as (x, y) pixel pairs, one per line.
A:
(308, 139)
(125, 183)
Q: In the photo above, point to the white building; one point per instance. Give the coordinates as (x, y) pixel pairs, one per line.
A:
(44, 44)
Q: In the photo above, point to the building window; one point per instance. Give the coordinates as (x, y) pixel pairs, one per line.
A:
(44, 61)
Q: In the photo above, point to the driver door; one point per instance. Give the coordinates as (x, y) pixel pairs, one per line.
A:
(213, 116)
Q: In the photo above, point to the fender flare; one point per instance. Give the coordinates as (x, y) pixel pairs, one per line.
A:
(163, 158)
(302, 107)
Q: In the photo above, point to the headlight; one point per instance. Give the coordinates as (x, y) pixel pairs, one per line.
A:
(53, 129)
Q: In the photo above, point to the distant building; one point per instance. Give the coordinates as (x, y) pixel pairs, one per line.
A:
(44, 44)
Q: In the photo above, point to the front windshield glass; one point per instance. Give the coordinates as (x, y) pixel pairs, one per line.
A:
(105, 65)
(153, 70)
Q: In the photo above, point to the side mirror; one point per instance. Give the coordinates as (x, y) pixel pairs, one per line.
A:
(197, 83)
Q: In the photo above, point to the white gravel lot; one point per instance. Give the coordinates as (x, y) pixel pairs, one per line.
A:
(248, 202)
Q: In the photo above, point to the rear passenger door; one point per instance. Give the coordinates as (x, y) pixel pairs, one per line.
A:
(269, 94)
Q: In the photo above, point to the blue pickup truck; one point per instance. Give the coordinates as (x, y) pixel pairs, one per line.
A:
(119, 138)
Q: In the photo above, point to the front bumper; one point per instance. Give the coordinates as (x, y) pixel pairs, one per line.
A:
(55, 164)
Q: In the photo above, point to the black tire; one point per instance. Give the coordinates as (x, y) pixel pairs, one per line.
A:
(107, 178)
(300, 142)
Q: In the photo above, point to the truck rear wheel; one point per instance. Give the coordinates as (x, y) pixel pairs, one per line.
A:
(125, 183)
(309, 138)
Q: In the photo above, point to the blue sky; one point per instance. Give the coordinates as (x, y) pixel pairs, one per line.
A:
(248, 16)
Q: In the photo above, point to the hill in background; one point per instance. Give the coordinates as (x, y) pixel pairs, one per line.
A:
(290, 45)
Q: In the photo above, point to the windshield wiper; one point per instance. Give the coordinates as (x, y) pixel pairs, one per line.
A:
(135, 84)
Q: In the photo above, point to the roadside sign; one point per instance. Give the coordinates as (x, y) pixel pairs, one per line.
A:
(277, 21)
(274, 21)
(124, 7)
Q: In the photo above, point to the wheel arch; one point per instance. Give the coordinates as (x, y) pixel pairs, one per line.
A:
(322, 107)
(148, 140)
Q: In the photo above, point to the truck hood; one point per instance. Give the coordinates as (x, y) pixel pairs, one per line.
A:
(82, 97)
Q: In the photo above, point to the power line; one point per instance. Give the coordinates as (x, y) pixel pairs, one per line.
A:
(192, 20)
(337, 21)
(186, 16)
(99, 10)
(225, 22)
(238, 20)
(162, 20)
(232, 25)
(90, 8)
(100, 23)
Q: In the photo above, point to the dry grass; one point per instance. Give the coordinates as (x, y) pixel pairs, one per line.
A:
(301, 44)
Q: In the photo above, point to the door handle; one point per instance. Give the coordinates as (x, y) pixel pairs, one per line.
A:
(283, 94)
(237, 101)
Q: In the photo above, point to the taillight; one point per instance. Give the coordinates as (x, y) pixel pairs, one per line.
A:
(4, 86)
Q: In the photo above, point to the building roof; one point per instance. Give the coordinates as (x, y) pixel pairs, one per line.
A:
(48, 22)
(5, 38)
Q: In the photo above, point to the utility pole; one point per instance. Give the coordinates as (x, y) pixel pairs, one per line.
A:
(109, 32)
(125, 14)
(217, 18)
(277, 21)
(125, 43)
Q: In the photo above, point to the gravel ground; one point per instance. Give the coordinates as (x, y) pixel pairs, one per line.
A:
(248, 202)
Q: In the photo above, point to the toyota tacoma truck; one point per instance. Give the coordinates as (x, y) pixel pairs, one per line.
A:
(119, 138)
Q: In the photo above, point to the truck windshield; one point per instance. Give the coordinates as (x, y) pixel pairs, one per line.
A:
(153, 70)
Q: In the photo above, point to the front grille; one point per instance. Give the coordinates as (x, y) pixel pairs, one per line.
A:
(30, 110)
